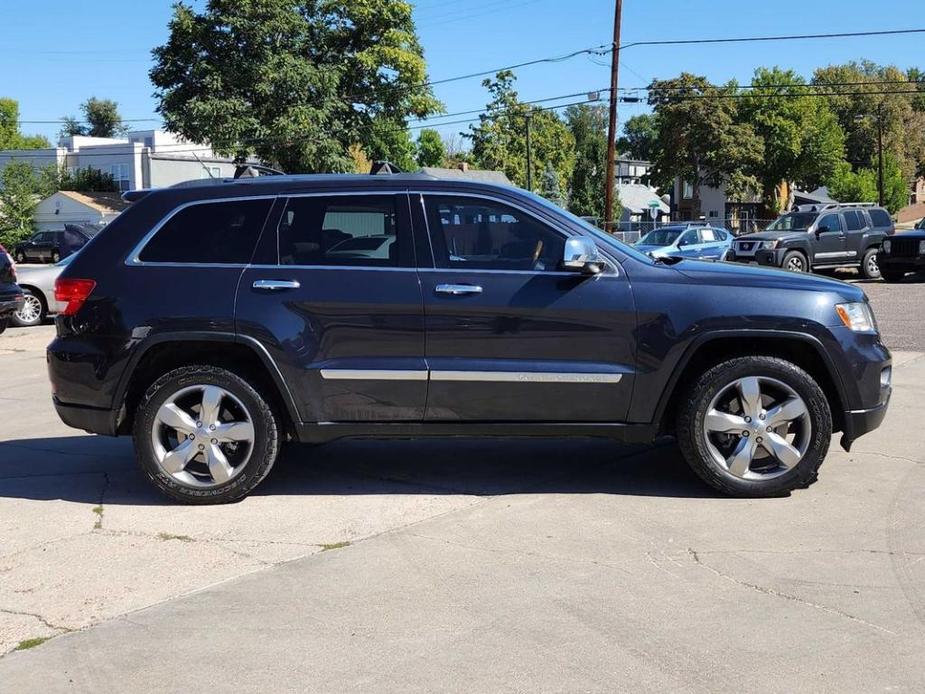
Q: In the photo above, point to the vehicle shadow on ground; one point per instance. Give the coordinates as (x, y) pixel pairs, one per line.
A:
(86, 468)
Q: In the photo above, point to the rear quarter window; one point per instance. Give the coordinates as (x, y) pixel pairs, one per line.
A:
(880, 218)
(214, 232)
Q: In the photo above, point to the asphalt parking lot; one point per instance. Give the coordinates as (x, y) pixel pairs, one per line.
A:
(514, 565)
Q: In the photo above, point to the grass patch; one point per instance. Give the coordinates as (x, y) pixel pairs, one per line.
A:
(165, 537)
(31, 643)
(336, 545)
(98, 510)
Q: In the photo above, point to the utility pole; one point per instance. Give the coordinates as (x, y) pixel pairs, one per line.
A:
(610, 178)
(529, 120)
(880, 153)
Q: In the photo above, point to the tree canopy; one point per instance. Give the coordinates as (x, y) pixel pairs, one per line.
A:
(296, 82)
(11, 137)
(588, 125)
(640, 137)
(101, 119)
(430, 148)
(499, 141)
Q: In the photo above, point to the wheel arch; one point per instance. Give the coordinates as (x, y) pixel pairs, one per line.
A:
(804, 350)
(241, 355)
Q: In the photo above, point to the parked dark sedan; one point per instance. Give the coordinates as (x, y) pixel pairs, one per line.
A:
(52, 246)
(10, 294)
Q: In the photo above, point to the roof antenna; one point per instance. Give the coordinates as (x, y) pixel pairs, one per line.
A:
(208, 171)
(382, 168)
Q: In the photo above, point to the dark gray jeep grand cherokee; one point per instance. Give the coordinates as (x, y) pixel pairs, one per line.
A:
(215, 323)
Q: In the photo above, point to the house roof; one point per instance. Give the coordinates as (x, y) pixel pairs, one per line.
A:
(468, 175)
(636, 197)
(107, 203)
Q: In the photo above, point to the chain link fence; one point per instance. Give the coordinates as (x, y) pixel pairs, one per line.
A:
(631, 232)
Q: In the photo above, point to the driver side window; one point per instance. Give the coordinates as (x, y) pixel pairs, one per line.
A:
(831, 221)
(480, 234)
(689, 238)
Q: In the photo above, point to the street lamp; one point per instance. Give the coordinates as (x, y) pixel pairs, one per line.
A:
(879, 117)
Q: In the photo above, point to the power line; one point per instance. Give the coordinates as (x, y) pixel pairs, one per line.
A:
(793, 37)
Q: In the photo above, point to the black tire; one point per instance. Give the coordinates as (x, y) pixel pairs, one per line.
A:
(265, 444)
(692, 438)
(20, 257)
(892, 275)
(30, 295)
(55, 256)
(4, 322)
(869, 269)
(795, 262)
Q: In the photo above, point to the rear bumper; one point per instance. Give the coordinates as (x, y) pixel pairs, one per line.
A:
(10, 303)
(90, 419)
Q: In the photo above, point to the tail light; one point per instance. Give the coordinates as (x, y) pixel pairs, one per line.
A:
(73, 294)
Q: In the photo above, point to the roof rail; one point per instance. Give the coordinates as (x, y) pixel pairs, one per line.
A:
(823, 207)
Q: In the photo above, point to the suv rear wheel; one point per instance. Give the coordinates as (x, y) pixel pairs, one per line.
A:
(755, 427)
(204, 435)
(869, 268)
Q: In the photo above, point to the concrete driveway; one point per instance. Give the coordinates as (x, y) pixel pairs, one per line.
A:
(534, 566)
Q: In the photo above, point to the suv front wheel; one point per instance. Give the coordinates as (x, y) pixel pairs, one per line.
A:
(204, 435)
(755, 427)
(795, 262)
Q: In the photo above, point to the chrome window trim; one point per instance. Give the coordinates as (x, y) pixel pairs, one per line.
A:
(133, 259)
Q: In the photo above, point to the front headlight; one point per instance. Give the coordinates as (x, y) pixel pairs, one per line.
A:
(886, 246)
(857, 316)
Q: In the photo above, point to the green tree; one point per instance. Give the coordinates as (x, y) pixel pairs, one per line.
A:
(549, 186)
(802, 139)
(18, 200)
(867, 95)
(430, 148)
(297, 82)
(700, 137)
(101, 117)
(588, 125)
(10, 135)
(640, 137)
(499, 141)
(390, 141)
(861, 185)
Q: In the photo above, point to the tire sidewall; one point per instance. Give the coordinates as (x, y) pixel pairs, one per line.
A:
(865, 273)
(718, 378)
(795, 254)
(266, 435)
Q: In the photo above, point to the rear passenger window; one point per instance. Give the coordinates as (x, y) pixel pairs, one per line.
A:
(209, 232)
(880, 218)
(708, 236)
(485, 235)
(341, 230)
(854, 221)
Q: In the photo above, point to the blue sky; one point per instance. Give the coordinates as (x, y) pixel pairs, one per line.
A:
(56, 53)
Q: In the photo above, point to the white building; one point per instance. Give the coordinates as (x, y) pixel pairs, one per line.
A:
(69, 207)
(142, 159)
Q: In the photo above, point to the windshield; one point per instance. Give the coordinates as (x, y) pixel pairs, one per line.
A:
(793, 221)
(660, 237)
(589, 228)
(921, 224)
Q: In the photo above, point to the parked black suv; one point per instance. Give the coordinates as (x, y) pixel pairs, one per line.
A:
(903, 253)
(818, 237)
(216, 322)
(52, 246)
(11, 297)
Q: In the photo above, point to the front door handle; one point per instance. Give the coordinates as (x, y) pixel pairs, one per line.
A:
(458, 289)
(275, 285)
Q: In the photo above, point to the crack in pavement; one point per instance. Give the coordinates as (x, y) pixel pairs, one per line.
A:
(39, 617)
(784, 596)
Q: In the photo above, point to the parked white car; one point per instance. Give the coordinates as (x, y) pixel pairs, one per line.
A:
(38, 288)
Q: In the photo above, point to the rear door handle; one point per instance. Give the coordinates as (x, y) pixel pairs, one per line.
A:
(458, 289)
(275, 285)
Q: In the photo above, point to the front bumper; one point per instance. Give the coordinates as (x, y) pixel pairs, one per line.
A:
(860, 422)
(903, 263)
(763, 256)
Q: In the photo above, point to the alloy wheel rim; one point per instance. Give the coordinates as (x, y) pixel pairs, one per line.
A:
(757, 428)
(31, 309)
(795, 264)
(203, 436)
(872, 266)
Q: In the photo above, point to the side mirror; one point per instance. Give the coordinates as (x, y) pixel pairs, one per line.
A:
(821, 229)
(581, 255)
